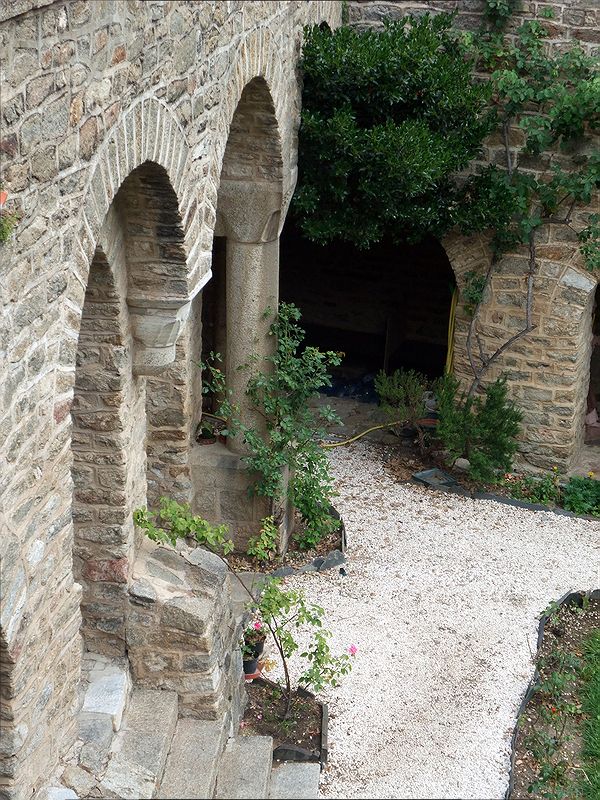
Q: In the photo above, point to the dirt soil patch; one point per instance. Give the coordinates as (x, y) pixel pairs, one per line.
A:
(241, 562)
(264, 712)
(548, 761)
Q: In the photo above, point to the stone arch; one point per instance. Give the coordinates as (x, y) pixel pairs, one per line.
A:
(548, 370)
(134, 307)
(159, 297)
(248, 217)
(254, 72)
(147, 132)
(566, 320)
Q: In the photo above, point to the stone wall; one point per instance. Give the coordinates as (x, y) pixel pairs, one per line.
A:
(549, 369)
(92, 91)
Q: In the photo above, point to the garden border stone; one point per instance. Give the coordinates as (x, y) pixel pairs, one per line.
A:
(499, 498)
(568, 599)
(334, 558)
(294, 752)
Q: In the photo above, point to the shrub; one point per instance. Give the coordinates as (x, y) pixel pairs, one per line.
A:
(401, 396)
(388, 119)
(545, 490)
(481, 429)
(264, 546)
(279, 610)
(281, 390)
(582, 496)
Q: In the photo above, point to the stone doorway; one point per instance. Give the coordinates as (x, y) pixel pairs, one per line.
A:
(386, 308)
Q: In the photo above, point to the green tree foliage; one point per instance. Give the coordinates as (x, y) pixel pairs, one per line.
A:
(388, 119)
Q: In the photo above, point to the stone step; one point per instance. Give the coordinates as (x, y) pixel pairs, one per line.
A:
(140, 749)
(245, 768)
(191, 769)
(107, 688)
(294, 781)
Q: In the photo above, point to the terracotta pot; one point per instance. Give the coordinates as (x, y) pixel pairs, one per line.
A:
(206, 439)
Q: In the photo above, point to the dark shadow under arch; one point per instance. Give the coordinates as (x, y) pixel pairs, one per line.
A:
(385, 308)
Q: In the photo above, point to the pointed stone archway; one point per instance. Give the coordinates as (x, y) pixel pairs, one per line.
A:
(250, 205)
(133, 311)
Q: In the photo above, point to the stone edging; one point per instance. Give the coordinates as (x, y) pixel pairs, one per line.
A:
(295, 753)
(568, 599)
(508, 501)
(319, 564)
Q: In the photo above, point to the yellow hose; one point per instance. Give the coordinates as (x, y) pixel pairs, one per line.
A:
(329, 444)
(358, 435)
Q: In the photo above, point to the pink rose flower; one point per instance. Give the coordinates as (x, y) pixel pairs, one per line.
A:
(353, 649)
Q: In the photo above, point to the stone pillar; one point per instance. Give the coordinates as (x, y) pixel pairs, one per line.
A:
(250, 217)
(252, 288)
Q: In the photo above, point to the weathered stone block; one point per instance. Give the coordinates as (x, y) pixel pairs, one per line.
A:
(186, 614)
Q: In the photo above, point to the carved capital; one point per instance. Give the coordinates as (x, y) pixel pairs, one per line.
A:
(156, 325)
(249, 212)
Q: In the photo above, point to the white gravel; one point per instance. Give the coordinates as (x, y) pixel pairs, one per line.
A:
(441, 598)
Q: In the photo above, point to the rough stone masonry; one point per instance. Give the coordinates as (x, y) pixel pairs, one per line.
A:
(132, 134)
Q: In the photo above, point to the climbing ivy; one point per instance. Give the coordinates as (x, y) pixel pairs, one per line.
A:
(550, 103)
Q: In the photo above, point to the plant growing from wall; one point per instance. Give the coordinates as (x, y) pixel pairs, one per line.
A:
(281, 389)
(8, 219)
(284, 612)
(553, 99)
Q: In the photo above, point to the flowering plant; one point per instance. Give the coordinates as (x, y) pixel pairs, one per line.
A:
(255, 632)
(253, 637)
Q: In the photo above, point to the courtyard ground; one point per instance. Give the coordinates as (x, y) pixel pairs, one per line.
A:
(441, 597)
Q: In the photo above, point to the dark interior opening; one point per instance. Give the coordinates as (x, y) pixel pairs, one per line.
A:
(386, 308)
(214, 322)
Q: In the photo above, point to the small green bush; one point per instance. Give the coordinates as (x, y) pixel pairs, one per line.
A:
(388, 119)
(481, 429)
(281, 389)
(582, 496)
(545, 489)
(401, 396)
(264, 546)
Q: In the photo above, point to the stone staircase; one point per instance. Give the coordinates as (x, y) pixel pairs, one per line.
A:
(132, 744)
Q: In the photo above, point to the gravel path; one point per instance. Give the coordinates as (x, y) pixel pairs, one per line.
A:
(441, 598)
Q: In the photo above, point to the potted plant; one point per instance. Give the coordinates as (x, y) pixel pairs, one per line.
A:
(252, 644)
(205, 433)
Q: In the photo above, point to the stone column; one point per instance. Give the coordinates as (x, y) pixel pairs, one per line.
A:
(250, 215)
(252, 288)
